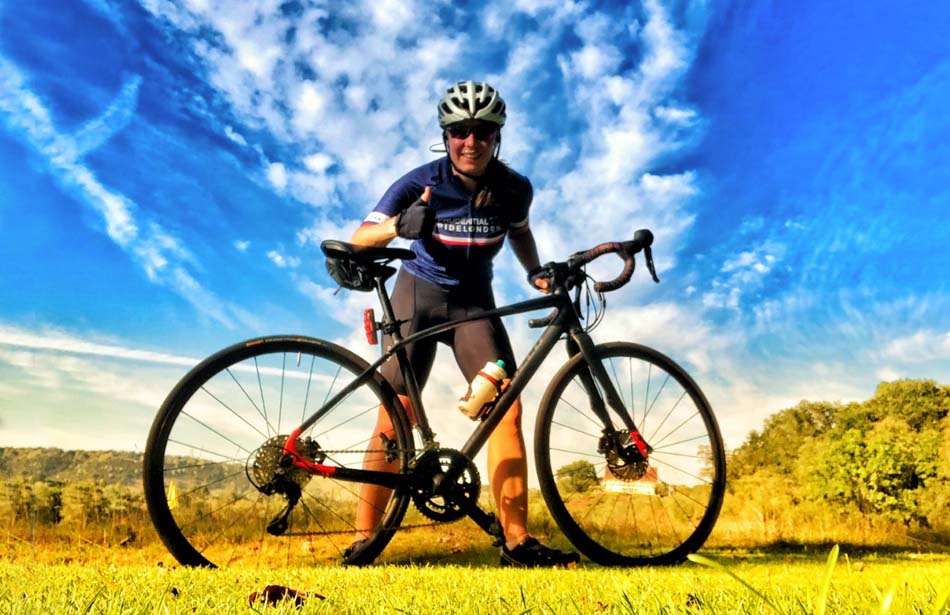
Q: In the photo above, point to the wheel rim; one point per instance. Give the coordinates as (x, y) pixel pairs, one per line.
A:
(217, 450)
(621, 511)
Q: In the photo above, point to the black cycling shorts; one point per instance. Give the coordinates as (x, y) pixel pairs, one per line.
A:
(423, 305)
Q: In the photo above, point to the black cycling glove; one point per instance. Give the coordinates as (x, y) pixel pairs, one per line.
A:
(416, 222)
(538, 273)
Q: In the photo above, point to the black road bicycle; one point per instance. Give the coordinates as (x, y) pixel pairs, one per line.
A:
(258, 452)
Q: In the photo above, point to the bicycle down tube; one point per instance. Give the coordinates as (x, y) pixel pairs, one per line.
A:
(565, 321)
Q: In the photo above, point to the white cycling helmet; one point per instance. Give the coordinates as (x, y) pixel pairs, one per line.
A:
(471, 100)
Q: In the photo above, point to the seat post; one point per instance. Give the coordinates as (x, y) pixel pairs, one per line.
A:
(388, 316)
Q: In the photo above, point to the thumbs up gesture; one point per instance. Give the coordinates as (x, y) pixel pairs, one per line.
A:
(417, 220)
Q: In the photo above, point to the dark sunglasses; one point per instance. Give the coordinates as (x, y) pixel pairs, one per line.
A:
(482, 132)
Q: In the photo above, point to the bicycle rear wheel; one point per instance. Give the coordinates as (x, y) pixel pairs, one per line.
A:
(212, 475)
(653, 511)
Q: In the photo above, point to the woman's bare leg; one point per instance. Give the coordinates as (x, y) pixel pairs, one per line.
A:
(373, 498)
(508, 475)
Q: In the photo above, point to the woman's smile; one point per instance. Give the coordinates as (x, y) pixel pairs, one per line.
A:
(470, 155)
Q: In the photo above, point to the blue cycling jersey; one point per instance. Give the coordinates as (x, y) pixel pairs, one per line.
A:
(466, 238)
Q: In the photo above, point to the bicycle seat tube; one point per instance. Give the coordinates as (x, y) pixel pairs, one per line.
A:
(391, 327)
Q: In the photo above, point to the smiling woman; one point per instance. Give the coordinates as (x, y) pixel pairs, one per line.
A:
(457, 211)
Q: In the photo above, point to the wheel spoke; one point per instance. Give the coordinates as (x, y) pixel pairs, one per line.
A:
(651, 511)
(218, 441)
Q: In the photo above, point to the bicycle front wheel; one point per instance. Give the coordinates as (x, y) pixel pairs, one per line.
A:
(214, 484)
(618, 508)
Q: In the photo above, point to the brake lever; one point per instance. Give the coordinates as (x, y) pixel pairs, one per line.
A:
(648, 255)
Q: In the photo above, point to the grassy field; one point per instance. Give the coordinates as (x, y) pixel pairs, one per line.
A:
(86, 578)
(452, 569)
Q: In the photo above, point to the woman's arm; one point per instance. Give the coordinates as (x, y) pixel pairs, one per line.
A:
(375, 235)
(379, 235)
(526, 251)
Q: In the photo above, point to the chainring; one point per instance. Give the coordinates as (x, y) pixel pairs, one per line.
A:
(448, 502)
(265, 471)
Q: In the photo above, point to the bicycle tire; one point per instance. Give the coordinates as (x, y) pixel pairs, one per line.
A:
(218, 437)
(653, 515)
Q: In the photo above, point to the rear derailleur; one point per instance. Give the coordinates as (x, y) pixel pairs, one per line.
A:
(272, 472)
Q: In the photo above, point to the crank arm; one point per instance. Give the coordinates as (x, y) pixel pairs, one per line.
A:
(489, 523)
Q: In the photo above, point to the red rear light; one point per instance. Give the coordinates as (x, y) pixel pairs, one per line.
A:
(369, 325)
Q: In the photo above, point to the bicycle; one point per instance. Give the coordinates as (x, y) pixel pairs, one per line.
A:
(628, 453)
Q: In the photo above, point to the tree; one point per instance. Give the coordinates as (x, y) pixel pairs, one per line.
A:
(878, 471)
(577, 477)
(918, 402)
(47, 502)
(83, 503)
(777, 446)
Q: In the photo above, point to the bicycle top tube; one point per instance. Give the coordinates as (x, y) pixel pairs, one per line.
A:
(563, 275)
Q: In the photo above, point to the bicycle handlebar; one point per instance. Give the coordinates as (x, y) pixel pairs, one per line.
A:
(564, 272)
(642, 240)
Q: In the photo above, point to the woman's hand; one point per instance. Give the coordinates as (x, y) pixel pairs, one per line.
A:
(540, 279)
(417, 220)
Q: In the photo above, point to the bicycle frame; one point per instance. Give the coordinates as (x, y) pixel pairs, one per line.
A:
(565, 321)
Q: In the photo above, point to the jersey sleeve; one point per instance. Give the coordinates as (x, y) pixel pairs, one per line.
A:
(397, 198)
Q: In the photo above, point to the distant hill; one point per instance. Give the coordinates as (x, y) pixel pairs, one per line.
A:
(57, 465)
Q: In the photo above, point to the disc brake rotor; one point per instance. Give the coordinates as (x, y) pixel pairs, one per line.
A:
(624, 459)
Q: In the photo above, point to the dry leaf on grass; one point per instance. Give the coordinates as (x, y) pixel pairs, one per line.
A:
(273, 594)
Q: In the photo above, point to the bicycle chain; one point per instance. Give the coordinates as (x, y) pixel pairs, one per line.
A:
(402, 526)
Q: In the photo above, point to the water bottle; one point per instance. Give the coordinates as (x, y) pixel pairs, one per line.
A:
(483, 390)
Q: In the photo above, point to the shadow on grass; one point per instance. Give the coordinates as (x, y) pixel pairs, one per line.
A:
(468, 548)
(783, 549)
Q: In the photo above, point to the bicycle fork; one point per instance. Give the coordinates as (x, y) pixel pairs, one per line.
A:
(614, 441)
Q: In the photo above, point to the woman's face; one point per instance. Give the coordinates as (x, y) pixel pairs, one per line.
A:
(471, 146)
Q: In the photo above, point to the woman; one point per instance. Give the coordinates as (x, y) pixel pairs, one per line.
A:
(458, 210)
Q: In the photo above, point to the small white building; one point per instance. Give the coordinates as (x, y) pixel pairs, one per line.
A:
(645, 485)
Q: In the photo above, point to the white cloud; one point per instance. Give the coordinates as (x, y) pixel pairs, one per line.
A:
(160, 255)
(283, 261)
(242, 245)
(277, 176)
(234, 136)
(593, 61)
(78, 392)
(309, 106)
(921, 346)
(318, 163)
(114, 119)
(62, 342)
(744, 274)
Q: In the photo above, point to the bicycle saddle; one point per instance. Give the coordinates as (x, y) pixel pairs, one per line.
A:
(363, 255)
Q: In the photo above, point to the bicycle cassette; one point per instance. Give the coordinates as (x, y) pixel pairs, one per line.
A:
(438, 495)
(264, 468)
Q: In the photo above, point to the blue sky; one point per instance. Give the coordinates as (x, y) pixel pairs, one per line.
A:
(168, 170)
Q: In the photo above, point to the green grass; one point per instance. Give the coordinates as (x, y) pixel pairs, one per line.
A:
(739, 583)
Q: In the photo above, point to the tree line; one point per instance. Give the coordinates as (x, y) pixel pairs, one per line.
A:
(885, 458)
